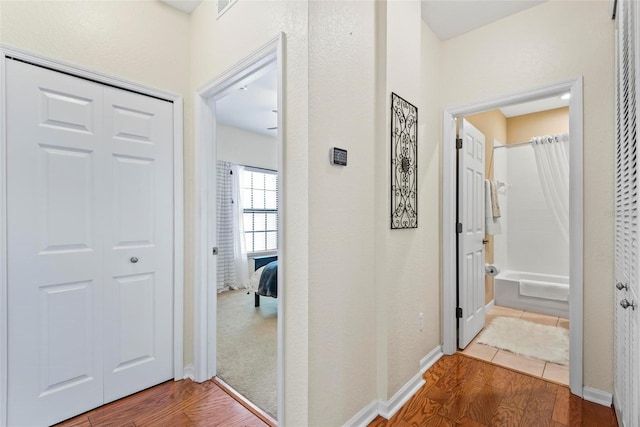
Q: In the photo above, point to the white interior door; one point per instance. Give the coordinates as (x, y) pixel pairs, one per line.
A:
(89, 185)
(138, 248)
(471, 233)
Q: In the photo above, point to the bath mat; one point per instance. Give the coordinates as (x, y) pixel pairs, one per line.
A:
(548, 343)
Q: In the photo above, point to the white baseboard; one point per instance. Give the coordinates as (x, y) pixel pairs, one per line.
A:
(490, 305)
(596, 396)
(365, 416)
(189, 372)
(431, 358)
(389, 408)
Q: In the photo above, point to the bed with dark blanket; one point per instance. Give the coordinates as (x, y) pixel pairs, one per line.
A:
(266, 276)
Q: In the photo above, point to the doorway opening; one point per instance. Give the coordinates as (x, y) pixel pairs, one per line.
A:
(239, 145)
(472, 298)
(525, 241)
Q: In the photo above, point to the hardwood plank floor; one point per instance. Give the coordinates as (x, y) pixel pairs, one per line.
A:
(459, 391)
(463, 391)
(172, 404)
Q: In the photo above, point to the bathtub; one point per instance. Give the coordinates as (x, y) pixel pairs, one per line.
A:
(507, 293)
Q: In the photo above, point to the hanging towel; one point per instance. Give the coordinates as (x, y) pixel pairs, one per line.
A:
(495, 205)
(546, 290)
(492, 225)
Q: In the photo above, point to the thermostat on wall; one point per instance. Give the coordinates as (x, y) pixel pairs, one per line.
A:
(338, 156)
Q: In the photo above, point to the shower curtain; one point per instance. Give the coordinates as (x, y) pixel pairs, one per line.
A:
(552, 160)
(232, 265)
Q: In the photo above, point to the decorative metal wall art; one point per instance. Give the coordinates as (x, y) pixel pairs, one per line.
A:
(404, 163)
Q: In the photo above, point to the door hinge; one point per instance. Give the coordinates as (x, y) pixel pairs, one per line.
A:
(459, 312)
(214, 251)
(459, 227)
(458, 143)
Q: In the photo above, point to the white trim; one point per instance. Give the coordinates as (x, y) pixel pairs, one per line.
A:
(490, 305)
(390, 407)
(86, 73)
(178, 250)
(431, 358)
(597, 396)
(575, 216)
(178, 239)
(188, 372)
(263, 60)
(449, 273)
(4, 327)
(365, 416)
(282, 195)
(576, 240)
(616, 407)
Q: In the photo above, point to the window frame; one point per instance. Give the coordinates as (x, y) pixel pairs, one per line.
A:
(252, 253)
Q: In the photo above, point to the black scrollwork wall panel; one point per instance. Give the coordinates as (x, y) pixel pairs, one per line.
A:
(404, 163)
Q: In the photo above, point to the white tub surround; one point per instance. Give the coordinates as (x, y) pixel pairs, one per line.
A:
(542, 293)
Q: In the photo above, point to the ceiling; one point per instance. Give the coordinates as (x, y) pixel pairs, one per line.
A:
(450, 18)
(187, 6)
(252, 109)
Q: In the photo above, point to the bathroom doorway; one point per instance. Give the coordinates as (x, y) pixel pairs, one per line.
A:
(454, 303)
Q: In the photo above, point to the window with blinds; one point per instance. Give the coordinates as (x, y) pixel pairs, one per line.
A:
(260, 205)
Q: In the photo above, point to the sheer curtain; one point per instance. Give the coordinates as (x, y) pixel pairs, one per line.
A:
(239, 244)
(552, 161)
(232, 265)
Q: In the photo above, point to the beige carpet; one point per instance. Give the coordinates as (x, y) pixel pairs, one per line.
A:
(247, 347)
(543, 342)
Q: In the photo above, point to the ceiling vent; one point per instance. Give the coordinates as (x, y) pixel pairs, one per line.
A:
(224, 5)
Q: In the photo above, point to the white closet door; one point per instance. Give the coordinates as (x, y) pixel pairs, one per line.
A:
(138, 245)
(90, 244)
(627, 251)
(55, 243)
(470, 246)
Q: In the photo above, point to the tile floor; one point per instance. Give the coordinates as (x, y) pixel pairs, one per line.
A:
(539, 368)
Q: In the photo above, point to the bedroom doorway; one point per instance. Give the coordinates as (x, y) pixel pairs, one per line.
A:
(239, 141)
(246, 219)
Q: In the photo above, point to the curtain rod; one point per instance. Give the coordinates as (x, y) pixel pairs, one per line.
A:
(517, 144)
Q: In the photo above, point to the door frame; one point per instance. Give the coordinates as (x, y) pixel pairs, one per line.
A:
(576, 238)
(178, 202)
(266, 58)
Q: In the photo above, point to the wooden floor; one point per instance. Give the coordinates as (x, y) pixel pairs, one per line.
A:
(172, 404)
(463, 391)
(459, 391)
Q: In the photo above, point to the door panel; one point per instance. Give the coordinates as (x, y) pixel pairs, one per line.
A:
(66, 221)
(139, 298)
(133, 201)
(470, 246)
(54, 245)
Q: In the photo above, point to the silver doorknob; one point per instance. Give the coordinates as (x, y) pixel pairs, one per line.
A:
(622, 286)
(133, 259)
(626, 304)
